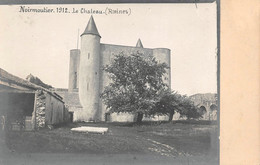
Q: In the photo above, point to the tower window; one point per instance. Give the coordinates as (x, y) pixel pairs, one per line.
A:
(75, 80)
(88, 55)
(87, 86)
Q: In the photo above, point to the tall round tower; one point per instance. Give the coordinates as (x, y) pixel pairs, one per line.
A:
(89, 70)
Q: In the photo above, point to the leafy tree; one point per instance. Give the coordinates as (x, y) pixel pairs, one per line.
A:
(171, 102)
(136, 83)
(168, 104)
(188, 109)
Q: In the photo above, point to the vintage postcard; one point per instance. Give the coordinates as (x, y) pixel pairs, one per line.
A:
(110, 83)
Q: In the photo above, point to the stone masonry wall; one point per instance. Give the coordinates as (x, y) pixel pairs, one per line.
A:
(40, 109)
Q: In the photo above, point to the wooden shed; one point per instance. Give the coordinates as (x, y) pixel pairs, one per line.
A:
(26, 106)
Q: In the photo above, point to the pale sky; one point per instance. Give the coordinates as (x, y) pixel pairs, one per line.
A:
(39, 43)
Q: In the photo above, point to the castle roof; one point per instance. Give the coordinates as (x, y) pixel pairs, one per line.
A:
(139, 44)
(91, 28)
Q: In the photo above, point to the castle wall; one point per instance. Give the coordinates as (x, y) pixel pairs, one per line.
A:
(164, 55)
(94, 82)
(89, 76)
(156, 118)
(74, 70)
(121, 117)
(108, 53)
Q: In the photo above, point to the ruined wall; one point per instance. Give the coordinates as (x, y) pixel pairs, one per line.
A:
(206, 100)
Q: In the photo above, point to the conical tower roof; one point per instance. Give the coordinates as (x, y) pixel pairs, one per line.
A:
(139, 44)
(91, 28)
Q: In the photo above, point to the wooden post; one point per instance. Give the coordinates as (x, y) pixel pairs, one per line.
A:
(34, 111)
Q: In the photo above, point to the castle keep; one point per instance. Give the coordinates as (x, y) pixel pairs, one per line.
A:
(87, 77)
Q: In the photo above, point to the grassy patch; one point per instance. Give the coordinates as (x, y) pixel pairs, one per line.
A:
(153, 138)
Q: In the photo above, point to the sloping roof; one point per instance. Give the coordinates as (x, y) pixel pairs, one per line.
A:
(35, 80)
(139, 44)
(7, 77)
(70, 98)
(11, 79)
(91, 28)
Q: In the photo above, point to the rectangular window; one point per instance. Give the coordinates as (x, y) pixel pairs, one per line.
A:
(75, 80)
(88, 55)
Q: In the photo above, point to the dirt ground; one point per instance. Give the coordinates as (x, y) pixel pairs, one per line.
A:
(179, 142)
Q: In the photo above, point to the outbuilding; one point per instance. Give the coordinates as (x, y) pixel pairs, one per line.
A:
(26, 106)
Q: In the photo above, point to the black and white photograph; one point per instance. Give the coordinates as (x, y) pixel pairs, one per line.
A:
(109, 84)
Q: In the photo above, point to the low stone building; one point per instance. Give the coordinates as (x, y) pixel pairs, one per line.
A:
(26, 106)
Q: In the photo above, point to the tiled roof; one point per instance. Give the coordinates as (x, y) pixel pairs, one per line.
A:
(70, 98)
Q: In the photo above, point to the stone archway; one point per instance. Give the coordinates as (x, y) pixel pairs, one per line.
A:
(213, 107)
(213, 112)
(203, 111)
(206, 101)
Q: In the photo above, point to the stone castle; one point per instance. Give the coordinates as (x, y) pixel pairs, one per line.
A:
(86, 77)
